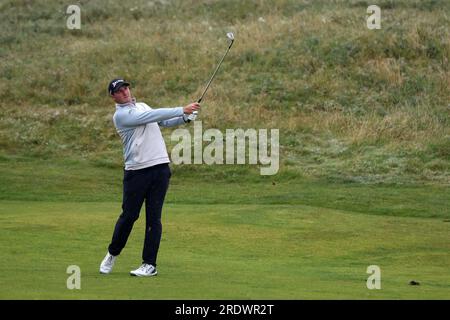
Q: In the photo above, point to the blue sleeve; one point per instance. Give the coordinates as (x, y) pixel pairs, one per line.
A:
(173, 122)
(132, 118)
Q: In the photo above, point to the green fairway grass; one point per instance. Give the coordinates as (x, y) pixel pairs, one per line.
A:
(245, 251)
(260, 240)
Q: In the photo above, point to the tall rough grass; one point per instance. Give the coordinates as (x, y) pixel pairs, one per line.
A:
(308, 68)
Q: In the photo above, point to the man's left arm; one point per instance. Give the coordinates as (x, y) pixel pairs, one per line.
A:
(188, 110)
(174, 121)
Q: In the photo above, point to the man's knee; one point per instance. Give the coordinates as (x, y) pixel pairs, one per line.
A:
(155, 225)
(129, 216)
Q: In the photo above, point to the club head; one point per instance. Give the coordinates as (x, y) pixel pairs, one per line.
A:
(230, 36)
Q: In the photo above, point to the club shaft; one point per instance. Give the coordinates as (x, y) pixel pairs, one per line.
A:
(214, 74)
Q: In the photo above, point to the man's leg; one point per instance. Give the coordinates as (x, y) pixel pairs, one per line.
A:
(153, 208)
(134, 186)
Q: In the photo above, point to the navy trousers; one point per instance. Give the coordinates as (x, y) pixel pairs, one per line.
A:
(149, 185)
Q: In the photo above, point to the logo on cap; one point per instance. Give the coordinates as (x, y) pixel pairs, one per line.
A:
(115, 84)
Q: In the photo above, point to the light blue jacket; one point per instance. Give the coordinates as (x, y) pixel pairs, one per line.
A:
(138, 126)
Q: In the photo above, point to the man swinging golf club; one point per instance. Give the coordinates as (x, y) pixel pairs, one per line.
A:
(146, 174)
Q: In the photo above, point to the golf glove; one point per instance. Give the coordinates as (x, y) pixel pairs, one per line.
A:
(192, 116)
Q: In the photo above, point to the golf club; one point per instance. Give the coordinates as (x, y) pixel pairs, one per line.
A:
(230, 37)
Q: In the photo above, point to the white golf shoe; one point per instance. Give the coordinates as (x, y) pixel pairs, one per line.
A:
(108, 263)
(146, 270)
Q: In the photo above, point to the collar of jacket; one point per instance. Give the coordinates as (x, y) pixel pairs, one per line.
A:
(132, 103)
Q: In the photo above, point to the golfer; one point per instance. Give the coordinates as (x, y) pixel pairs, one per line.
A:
(146, 174)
